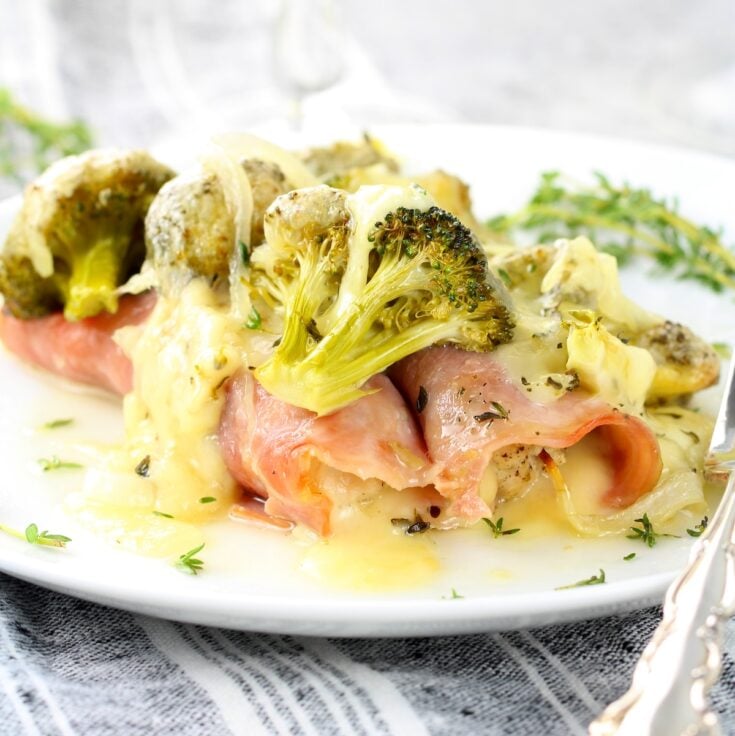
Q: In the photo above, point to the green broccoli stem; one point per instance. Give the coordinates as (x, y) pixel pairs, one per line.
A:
(392, 280)
(352, 348)
(92, 285)
(305, 384)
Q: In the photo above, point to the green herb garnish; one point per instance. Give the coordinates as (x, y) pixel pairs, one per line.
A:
(496, 527)
(592, 580)
(33, 536)
(190, 564)
(55, 463)
(645, 532)
(629, 557)
(624, 221)
(454, 597)
(29, 143)
(497, 412)
(207, 499)
(244, 253)
(697, 531)
(162, 513)
(57, 423)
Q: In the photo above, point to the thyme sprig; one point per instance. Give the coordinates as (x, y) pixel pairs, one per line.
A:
(58, 423)
(645, 532)
(56, 463)
(190, 564)
(592, 580)
(496, 528)
(624, 221)
(455, 596)
(699, 528)
(29, 143)
(33, 536)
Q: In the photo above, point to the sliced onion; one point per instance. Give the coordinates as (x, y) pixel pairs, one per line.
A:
(243, 146)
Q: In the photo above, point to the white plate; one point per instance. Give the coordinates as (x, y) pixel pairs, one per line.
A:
(253, 578)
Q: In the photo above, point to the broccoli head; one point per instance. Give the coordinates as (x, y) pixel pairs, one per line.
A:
(189, 230)
(79, 234)
(364, 280)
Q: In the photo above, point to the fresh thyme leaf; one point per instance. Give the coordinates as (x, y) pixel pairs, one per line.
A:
(29, 143)
(33, 536)
(699, 528)
(624, 221)
(421, 400)
(645, 532)
(244, 253)
(629, 557)
(502, 411)
(455, 595)
(190, 564)
(207, 499)
(497, 412)
(162, 513)
(57, 423)
(55, 463)
(254, 320)
(496, 527)
(143, 468)
(592, 580)
(31, 533)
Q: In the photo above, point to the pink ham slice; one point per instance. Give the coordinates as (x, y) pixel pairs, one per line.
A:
(461, 387)
(272, 448)
(81, 351)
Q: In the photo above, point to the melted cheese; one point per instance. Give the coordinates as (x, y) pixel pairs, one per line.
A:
(190, 346)
(182, 356)
(368, 554)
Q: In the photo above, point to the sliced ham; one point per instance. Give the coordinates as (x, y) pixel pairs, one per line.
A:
(81, 351)
(465, 396)
(274, 449)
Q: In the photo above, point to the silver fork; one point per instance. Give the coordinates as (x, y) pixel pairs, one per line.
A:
(671, 682)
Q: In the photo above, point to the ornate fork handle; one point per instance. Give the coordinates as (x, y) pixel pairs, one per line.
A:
(669, 692)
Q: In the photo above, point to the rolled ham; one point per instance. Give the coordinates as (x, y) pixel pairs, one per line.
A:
(81, 351)
(471, 408)
(274, 449)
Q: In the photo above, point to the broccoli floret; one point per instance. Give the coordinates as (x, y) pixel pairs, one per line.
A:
(79, 234)
(189, 230)
(363, 281)
(27, 295)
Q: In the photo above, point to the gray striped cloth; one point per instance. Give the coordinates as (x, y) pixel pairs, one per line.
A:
(68, 667)
(137, 69)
